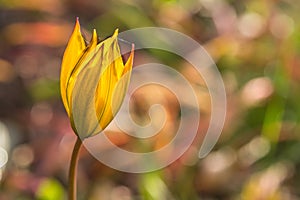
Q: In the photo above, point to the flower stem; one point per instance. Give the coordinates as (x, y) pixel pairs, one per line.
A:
(73, 170)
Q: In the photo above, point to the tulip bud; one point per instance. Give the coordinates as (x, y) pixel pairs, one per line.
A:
(93, 81)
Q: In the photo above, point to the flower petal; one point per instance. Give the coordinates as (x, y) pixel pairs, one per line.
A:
(84, 119)
(122, 85)
(85, 58)
(106, 105)
(129, 62)
(73, 52)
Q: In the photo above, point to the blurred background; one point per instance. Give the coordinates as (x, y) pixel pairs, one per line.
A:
(256, 46)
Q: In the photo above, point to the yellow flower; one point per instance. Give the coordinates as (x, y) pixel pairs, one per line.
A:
(93, 81)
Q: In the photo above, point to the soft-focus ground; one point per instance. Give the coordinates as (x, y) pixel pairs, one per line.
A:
(256, 46)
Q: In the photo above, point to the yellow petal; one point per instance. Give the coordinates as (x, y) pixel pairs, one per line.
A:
(129, 62)
(85, 58)
(84, 119)
(74, 50)
(113, 69)
(122, 85)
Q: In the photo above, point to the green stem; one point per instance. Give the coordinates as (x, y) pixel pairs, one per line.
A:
(73, 170)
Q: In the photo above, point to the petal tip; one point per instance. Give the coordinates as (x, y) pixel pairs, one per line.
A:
(77, 24)
(116, 33)
(77, 21)
(94, 33)
(94, 38)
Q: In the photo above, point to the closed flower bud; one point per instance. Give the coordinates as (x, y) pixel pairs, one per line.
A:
(93, 81)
